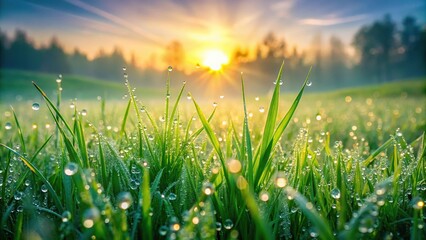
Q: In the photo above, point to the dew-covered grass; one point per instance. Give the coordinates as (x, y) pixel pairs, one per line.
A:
(342, 165)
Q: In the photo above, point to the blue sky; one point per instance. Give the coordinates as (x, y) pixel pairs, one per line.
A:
(146, 27)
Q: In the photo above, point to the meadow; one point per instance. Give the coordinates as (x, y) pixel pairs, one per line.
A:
(345, 164)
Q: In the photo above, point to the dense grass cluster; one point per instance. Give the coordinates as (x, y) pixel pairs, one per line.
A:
(340, 169)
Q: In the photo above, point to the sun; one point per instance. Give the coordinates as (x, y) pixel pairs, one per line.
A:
(214, 59)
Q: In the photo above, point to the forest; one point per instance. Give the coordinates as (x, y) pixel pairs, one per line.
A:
(384, 51)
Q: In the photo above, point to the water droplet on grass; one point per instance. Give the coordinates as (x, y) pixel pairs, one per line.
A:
(44, 188)
(66, 216)
(172, 197)
(418, 203)
(335, 193)
(36, 106)
(280, 180)
(8, 126)
(218, 226)
(228, 224)
(170, 68)
(308, 83)
(279, 82)
(70, 169)
(84, 112)
(124, 68)
(18, 196)
(90, 216)
(208, 188)
(234, 166)
(124, 200)
(261, 109)
(163, 230)
(264, 196)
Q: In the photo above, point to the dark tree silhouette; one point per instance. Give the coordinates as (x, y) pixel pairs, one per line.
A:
(22, 54)
(375, 43)
(54, 59)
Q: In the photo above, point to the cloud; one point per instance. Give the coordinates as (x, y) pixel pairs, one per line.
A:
(282, 8)
(332, 20)
(115, 19)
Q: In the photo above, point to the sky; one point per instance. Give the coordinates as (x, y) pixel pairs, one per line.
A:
(146, 27)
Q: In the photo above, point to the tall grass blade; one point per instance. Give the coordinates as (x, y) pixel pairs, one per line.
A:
(38, 174)
(213, 139)
(308, 209)
(247, 146)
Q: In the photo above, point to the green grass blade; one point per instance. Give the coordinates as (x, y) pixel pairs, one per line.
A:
(21, 136)
(247, 195)
(308, 209)
(247, 146)
(40, 175)
(126, 114)
(213, 139)
(52, 106)
(285, 121)
(146, 224)
(268, 131)
(370, 158)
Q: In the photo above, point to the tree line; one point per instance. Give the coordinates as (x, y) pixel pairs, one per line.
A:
(385, 51)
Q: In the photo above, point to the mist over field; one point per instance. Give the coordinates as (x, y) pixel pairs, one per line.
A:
(291, 119)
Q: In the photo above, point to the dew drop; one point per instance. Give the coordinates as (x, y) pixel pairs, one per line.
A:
(71, 168)
(172, 197)
(58, 80)
(72, 105)
(279, 82)
(308, 83)
(124, 200)
(36, 106)
(66, 216)
(18, 196)
(313, 233)
(170, 68)
(261, 109)
(90, 216)
(124, 68)
(214, 104)
(264, 196)
(234, 166)
(280, 180)
(150, 137)
(218, 226)
(335, 193)
(163, 230)
(188, 96)
(228, 224)
(208, 188)
(44, 188)
(418, 203)
(8, 126)
(84, 112)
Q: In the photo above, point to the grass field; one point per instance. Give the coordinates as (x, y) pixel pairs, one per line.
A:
(337, 165)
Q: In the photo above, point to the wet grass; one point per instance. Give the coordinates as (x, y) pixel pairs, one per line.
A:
(342, 165)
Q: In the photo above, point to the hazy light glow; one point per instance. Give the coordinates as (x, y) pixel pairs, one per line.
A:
(214, 59)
